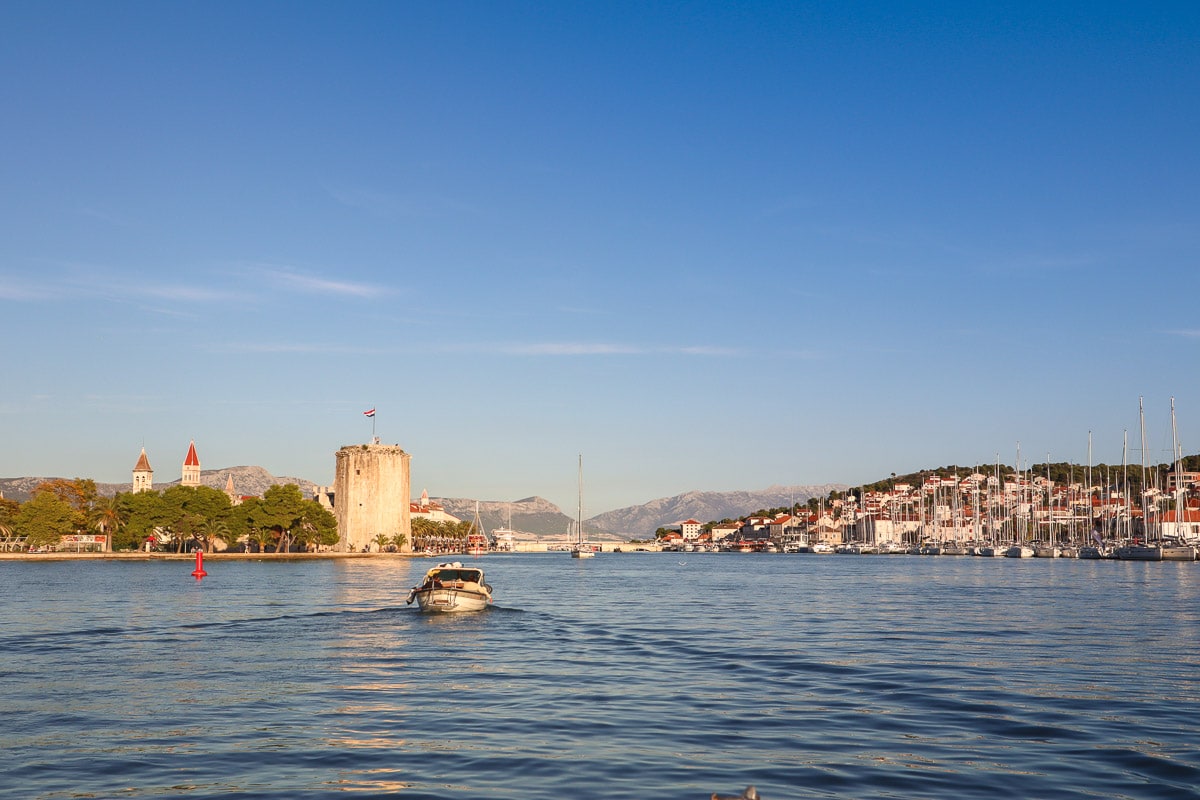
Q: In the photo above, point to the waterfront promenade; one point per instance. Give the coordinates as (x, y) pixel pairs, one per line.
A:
(137, 555)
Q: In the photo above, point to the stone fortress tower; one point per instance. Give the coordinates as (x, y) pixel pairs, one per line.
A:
(371, 495)
(143, 476)
(191, 467)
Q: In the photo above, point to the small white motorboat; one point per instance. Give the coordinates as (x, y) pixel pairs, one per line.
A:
(452, 587)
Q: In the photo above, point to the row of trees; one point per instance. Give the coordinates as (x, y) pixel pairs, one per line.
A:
(440, 536)
(177, 518)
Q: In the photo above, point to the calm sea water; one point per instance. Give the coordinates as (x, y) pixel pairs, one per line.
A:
(624, 676)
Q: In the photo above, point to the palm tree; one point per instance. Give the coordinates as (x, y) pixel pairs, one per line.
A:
(423, 530)
(381, 539)
(213, 529)
(262, 536)
(399, 540)
(107, 518)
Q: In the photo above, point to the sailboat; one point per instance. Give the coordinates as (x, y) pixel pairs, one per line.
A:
(503, 537)
(1135, 549)
(1049, 549)
(477, 542)
(1177, 549)
(580, 549)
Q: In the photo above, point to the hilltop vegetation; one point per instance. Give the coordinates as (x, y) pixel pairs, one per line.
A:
(177, 518)
(1062, 473)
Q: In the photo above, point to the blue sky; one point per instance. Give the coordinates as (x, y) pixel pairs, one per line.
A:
(708, 246)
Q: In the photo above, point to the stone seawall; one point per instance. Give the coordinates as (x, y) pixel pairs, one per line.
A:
(518, 547)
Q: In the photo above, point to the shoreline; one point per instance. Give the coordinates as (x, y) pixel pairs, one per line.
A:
(142, 556)
(220, 555)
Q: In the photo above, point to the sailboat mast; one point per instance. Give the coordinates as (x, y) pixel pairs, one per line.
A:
(1091, 509)
(1180, 505)
(1049, 505)
(579, 507)
(1142, 426)
(1125, 483)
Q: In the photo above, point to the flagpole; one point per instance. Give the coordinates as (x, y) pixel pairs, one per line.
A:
(371, 414)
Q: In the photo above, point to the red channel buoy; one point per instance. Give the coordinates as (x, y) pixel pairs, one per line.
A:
(199, 572)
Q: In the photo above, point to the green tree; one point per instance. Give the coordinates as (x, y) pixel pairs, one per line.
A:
(8, 513)
(399, 540)
(145, 514)
(213, 529)
(79, 493)
(44, 519)
(282, 515)
(282, 511)
(107, 518)
(188, 508)
(380, 540)
(8, 510)
(424, 532)
(241, 520)
(316, 526)
(263, 537)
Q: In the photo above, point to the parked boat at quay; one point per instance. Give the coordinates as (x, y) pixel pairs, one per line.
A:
(1178, 552)
(1096, 552)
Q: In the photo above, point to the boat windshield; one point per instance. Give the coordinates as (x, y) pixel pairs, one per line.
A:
(458, 575)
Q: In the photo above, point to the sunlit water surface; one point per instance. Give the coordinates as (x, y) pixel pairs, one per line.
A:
(630, 675)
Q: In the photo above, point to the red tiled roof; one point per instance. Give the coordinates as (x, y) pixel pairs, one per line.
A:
(143, 463)
(192, 459)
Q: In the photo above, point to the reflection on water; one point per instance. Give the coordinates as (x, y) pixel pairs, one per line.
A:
(623, 676)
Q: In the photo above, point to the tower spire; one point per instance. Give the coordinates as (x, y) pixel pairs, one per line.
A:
(143, 476)
(191, 467)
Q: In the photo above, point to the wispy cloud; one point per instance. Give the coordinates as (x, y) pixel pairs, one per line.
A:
(193, 293)
(67, 280)
(17, 290)
(235, 283)
(380, 203)
(596, 349)
(1190, 334)
(314, 284)
(304, 348)
(107, 216)
(392, 205)
(569, 349)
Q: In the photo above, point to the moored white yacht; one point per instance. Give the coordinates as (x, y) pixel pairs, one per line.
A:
(580, 549)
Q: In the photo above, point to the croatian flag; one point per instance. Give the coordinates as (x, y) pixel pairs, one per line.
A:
(370, 413)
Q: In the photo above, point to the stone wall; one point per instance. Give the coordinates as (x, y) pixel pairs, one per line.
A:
(371, 495)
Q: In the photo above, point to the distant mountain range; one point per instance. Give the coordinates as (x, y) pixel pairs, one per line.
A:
(705, 507)
(533, 517)
(540, 517)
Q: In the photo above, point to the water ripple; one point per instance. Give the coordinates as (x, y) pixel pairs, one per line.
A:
(851, 678)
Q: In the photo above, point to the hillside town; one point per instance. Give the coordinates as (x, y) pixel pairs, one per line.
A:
(951, 514)
(1061, 512)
